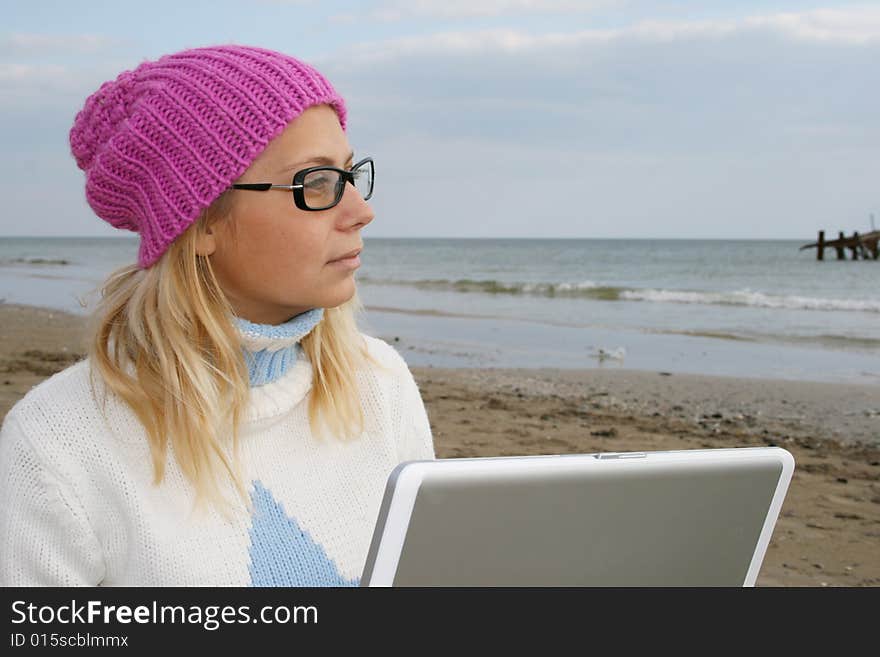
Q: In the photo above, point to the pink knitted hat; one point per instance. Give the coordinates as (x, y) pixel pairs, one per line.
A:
(158, 144)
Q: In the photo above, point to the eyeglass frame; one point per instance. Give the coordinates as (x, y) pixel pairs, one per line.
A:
(299, 197)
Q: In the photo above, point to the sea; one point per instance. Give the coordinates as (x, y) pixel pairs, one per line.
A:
(747, 308)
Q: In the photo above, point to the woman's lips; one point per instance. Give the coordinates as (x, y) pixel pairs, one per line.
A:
(347, 263)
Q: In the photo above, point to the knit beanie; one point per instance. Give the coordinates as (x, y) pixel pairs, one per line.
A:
(159, 143)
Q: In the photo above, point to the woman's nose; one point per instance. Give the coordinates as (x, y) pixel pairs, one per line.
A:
(357, 211)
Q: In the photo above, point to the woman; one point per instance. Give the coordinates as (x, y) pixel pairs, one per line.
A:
(230, 425)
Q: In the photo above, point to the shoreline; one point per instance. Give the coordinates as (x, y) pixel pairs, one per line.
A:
(481, 334)
(828, 532)
(431, 339)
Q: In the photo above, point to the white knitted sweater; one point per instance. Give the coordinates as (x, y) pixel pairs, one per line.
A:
(78, 506)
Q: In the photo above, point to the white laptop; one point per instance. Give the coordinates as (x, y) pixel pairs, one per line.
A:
(676, 518)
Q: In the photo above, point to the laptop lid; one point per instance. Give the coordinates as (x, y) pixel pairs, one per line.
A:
(676, 518)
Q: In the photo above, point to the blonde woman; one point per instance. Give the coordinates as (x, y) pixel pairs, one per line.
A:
(230, 425)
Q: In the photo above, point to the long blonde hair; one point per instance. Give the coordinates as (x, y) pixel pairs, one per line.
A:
(163, 340)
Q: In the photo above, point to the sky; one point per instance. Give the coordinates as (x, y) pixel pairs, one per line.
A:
(506, 118)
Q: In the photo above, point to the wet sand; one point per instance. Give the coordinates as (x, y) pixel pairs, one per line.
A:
(828, 533)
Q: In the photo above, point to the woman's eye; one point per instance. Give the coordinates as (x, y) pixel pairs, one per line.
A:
(318, 182)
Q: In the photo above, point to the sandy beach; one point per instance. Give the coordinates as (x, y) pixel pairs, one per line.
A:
(828, 533)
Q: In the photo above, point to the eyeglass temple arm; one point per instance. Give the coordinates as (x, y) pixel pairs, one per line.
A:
(262, 187)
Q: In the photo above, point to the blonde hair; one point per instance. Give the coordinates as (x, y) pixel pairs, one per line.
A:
(163, 340)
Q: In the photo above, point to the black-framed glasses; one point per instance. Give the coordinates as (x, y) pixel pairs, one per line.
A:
(320, 188)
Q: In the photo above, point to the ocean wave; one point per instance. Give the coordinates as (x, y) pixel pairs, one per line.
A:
(583, 289)
(752, 299)
(841, 341)
(845, 342)
(597, 292)
(34, 261)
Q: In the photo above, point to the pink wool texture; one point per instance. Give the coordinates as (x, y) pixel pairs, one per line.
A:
(159, 143)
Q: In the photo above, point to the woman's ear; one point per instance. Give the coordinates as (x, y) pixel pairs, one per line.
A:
(206, 242)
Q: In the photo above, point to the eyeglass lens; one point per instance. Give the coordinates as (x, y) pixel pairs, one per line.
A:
(324, 188)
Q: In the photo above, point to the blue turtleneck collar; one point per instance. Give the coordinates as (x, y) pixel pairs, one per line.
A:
(270, 350)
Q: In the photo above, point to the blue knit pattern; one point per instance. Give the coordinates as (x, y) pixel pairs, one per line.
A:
(282, 553)
(265, 365)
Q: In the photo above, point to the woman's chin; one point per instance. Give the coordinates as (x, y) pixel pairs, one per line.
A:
(340, 293)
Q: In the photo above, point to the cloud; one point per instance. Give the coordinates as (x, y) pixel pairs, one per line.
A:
(397, 10)
(746, 86)
(855, 26)
(43, 70)
(739, 128)
(19, 72)
(21, 44)
(28, 86)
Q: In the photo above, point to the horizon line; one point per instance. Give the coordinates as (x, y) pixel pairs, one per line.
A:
(404, 237)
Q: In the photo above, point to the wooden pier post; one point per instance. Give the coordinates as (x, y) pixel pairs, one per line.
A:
(863, 247)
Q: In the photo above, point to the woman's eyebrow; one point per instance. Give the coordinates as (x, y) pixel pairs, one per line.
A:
(318, 159)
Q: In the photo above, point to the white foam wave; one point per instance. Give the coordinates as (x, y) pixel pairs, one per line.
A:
(754, 299)
(529, 288)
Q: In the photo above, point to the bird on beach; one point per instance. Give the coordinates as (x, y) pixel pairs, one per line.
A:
(616, 354)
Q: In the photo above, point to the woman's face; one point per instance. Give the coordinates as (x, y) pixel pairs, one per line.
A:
(274, 260)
